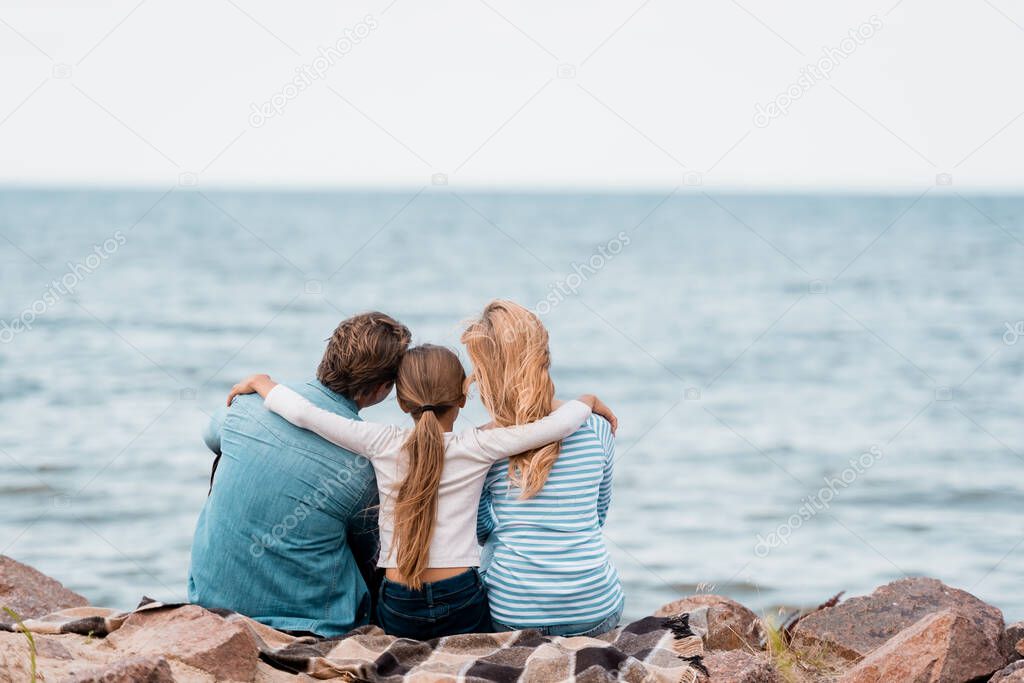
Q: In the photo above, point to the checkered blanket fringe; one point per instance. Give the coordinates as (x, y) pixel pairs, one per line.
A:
(652, 649)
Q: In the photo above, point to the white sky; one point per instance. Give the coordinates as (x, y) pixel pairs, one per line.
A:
(471, 89)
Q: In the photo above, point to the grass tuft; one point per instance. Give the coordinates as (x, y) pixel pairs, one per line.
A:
(31, 641)
(797, 667)
(782, 655)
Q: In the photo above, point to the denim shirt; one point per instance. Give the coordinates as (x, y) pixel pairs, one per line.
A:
(288, 534)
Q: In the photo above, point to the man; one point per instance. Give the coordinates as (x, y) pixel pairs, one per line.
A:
(288, 534)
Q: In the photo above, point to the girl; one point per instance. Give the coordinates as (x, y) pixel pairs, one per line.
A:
(429, 481)
(542, 511)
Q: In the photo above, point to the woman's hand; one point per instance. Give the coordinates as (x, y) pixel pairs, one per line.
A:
(260, 384)
(599, 408)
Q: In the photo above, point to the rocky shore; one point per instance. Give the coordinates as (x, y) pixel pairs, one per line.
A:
(915, 630)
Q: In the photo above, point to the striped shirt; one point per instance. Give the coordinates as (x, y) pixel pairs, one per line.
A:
(545, 559)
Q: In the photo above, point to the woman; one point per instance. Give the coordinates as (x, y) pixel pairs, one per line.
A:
(541, 511)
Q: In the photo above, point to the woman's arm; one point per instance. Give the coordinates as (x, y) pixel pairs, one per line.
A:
(604, 491)
(363, 438)
(484, 517)
(505, 442)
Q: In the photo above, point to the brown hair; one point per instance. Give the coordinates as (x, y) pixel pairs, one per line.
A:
(363, 353)
(508, 347)
(431, 381)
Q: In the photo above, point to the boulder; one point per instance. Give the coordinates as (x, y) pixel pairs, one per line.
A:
(945, 647)
(192, 635)
(854, 628)
(131, 670)
(730, 625)
(1013, 641)
(31, 593)
(1011, 674)
(738, 666)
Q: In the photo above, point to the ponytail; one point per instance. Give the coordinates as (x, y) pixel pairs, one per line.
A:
(416, 506)
(429, 383)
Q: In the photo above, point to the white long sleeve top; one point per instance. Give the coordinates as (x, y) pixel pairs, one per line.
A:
(468, 457)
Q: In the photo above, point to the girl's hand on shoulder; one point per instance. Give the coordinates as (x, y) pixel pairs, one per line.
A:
(259, 384)
(599, 408)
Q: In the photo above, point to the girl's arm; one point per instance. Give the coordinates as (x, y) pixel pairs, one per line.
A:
(598, 407)
(253, 384)
(363, 438)
(504, 442)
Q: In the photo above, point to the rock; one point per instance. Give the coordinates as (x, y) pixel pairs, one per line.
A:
(14, 657)
(945, 647)
(131, 670)
(1011, 674)
(1013, 641)
(192, 635)
(268, 674)
(854, 628)
(738, 666)
(31, 593)
(58, 658)
(51, 648)
(730, 625)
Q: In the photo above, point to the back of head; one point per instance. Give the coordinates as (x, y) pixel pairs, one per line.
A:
(431, 381)
(363, 355)
(508, 347)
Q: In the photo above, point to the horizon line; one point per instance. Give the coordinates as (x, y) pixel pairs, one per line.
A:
(508, 189)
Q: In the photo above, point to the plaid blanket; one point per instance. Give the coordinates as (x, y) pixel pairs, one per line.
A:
(651, 649)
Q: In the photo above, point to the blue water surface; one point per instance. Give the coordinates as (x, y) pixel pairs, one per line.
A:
(753, 346)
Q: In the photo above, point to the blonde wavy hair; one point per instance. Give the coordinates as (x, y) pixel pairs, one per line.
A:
(508, 348)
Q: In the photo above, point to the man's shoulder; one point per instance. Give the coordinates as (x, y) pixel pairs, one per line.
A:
(248, 417)
(322, 397)
(312, 391)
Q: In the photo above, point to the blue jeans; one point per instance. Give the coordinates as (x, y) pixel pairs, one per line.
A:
(587, 628)
(440, 608)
